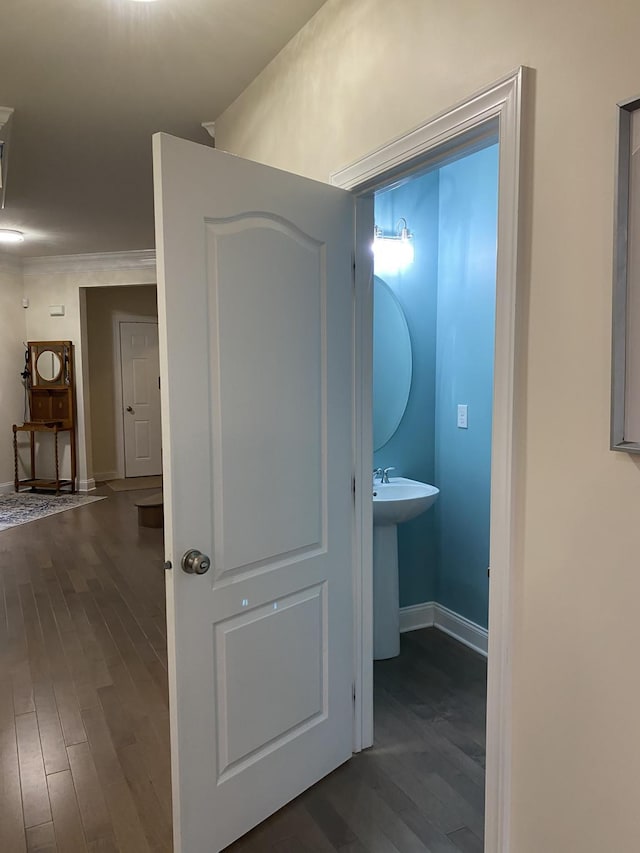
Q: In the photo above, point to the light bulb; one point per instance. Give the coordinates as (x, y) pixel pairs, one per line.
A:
(9, 235)
(392, 254)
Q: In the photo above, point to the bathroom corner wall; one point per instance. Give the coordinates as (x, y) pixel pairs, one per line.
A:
(467, 223)
(411, 448)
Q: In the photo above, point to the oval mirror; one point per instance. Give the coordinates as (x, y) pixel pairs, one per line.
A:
(392, 363)
(49, 365)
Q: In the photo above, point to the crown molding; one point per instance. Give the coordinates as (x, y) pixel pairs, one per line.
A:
(11, 264)
(137, 259)
(210, 127)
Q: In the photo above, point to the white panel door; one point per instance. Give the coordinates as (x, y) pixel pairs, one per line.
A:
(141, 399)
(256, 320)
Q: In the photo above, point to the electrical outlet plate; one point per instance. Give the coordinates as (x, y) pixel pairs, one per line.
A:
(462, 416)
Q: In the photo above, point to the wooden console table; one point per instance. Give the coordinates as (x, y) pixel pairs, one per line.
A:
(34, 482)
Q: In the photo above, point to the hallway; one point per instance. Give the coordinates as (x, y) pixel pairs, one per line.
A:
(83, 684)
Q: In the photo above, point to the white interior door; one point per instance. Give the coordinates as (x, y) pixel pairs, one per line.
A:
(256, 325)
(141, 399)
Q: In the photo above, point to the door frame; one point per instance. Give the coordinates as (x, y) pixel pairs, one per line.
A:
(116, 319)
(501, 105)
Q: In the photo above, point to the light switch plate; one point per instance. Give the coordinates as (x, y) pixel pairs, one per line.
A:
(462, 416)
(56, 310)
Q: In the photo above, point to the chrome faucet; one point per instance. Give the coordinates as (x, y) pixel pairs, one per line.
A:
(385, 474)
(378, 472)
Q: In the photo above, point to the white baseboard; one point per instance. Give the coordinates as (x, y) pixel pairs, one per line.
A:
(105, 476)
(462, 629)
(5, 488)
(430, 614)
(417, 616)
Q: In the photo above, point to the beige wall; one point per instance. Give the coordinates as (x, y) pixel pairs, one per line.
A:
(12, 334)
(364, 71)
(103, 303)
(56, 285)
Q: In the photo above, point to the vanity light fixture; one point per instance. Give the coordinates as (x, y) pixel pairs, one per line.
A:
(393, 252)
(9, 235)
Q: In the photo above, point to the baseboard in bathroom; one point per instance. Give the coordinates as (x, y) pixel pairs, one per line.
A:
(430, 614)
(417, 616)
(5, 488)
(462, 629)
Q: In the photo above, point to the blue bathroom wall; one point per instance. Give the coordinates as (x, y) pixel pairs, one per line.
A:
(448, 296)
(412, 447)
(467, 235)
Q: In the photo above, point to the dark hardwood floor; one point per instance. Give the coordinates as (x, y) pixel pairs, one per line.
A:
(84, 743)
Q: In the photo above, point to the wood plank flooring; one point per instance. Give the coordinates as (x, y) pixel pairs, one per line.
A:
(83, 689)
(84, 742)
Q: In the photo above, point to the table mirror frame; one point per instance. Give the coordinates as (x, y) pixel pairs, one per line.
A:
(62, 350)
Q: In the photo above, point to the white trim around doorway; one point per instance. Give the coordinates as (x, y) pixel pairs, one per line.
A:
(499, 105)
(118, 318)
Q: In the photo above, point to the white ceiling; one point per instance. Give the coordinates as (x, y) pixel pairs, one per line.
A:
(91, 80)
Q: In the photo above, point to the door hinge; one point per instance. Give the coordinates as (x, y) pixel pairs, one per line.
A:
(353, 693)
(353, 488)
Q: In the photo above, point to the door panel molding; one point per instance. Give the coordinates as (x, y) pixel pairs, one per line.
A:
(292, 414)
(237, 708)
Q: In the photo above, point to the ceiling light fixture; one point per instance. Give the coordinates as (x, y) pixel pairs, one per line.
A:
(393, 252)
(9, 235)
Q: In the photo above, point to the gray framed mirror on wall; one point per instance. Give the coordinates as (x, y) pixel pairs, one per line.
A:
(625, 363)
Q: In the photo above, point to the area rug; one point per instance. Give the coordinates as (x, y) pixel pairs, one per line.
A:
(21, 507)
(132, 484)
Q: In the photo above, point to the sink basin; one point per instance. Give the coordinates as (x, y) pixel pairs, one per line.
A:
(401, 500)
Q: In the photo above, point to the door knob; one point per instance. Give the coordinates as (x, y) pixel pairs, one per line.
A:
(195, 563)
(129, 409)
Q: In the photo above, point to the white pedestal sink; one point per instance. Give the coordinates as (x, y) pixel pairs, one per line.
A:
(393, 502)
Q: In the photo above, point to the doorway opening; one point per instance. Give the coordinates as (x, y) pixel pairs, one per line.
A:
(434, 296)
(495, 112)
(123, 382)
